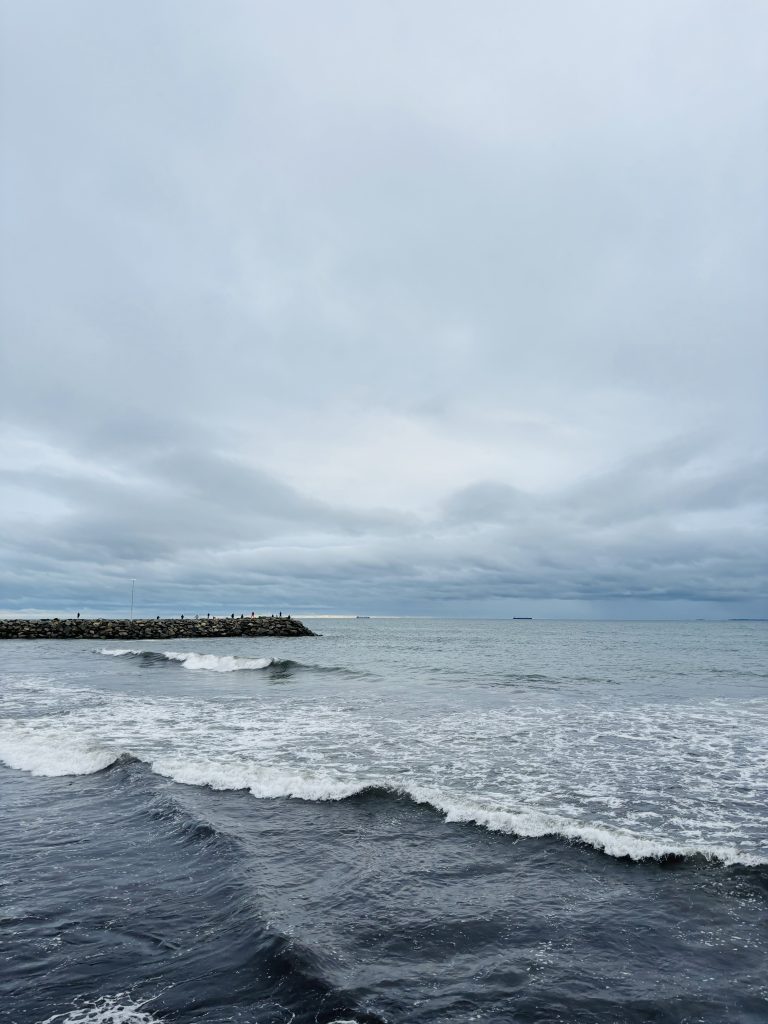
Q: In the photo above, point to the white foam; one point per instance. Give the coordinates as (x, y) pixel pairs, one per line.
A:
(197, 662)
(274, 783)
(51, 754)
(263, 783)
(217, 662)
(615, 842)
(643, 781)
(118, 1009)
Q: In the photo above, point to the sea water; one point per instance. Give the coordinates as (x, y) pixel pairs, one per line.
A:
(398, 820)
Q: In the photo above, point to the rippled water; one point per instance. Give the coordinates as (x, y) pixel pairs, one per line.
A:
(453, 821)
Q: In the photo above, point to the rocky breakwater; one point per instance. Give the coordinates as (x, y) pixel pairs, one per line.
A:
(150, 629)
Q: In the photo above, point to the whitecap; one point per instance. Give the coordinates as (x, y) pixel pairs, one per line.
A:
(117, 1009)
(218, 662)
(194, 661)
(50, 754)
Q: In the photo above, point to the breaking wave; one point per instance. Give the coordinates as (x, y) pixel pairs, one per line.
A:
(525, 823)
(40, 756)
(45, 754)
(196, 662)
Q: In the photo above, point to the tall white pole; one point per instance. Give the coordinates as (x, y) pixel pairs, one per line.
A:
(133, 585)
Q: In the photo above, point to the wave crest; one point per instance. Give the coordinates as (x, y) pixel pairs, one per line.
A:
(527, 823)
(41, 756)
(44, 755)
(196, 662)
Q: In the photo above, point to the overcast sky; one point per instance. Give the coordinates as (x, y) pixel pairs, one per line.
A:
(385, 307)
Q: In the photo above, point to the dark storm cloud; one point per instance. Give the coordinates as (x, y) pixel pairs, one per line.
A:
(383, 307)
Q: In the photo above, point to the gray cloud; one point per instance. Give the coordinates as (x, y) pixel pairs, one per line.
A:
(383, 308)
(202, 530)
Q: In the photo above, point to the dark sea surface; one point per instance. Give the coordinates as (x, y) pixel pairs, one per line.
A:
(399, 820)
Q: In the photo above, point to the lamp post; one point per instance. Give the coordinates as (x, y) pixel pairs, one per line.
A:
(133, 586)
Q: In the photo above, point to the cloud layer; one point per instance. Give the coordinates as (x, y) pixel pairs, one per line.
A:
(385, 308)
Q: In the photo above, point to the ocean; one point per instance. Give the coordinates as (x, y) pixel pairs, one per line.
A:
(396, 821)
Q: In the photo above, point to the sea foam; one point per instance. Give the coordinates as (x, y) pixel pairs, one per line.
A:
(48, 756)
(51, 754)
(117, 1009)
(524, 822)
(629, 782)
(195, 662)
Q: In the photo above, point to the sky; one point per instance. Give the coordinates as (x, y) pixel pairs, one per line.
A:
(434, 308)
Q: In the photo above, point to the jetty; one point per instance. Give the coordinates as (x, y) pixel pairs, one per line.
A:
(152, 629)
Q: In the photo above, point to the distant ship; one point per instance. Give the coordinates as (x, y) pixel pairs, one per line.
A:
(522, 618)
(362, 616)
